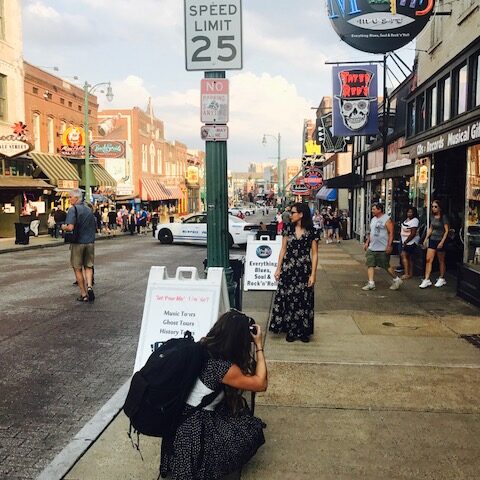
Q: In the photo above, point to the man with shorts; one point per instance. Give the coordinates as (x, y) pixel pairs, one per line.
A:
(378, 247)
(80, 218)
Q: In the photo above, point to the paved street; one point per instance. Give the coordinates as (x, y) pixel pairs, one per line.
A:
(62, 359)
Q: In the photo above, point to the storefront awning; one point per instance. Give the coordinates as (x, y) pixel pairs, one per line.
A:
(176, 192)
(167, 194)
(27, 183)
(55, 167)
(152, 190)
(102, 177)
(350, 180)
(327, 194)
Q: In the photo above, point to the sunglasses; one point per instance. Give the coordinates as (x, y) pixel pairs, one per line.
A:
(434, 206)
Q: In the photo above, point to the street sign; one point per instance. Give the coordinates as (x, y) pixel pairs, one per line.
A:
(213, 133)
(213, 34)
(214, 101)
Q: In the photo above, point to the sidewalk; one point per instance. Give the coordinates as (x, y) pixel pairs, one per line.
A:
(7, 245)
(386, 389)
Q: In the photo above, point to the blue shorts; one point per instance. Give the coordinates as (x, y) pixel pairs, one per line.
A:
(433, 244)
(410, 249)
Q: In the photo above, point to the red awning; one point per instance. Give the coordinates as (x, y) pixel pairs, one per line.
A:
(151, 190)
(176, 192)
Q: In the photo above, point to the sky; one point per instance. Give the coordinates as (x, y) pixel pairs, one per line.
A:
(140, 47)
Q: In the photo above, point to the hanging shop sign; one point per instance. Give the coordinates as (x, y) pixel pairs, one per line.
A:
(300, 187)
(73, 142)
(313, 177)
(325, 138)
(15, 144)
(355, 108)
(107, 149)
(192, 175)
(379, 26)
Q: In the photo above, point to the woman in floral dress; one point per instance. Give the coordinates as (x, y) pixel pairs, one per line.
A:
(296, 275)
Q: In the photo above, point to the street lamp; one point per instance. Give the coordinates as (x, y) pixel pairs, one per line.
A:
(87, 90)
(277, 139)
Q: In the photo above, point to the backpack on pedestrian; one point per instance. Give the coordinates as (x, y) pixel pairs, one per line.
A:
(158, 391)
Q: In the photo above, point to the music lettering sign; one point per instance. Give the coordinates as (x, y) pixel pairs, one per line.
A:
(379, 26)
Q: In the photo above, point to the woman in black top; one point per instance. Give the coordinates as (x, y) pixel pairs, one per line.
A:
(435, 241)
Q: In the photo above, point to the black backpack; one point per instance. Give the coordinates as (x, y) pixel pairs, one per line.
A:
(158, 391)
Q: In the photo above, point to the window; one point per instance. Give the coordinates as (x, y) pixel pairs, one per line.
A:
(436, 30)
(445, 98)
(62, 101)
(159, 161)
(2, 20)
(420, 113)
(461, 88)
(35, 90)
(3, 97)
(411, 118)
(63, 126)
(144, 159)
(79, 108)
(432, 110)
(152, 158)
(477, 83)
(50, 135)
(70, 104)
(36, 131)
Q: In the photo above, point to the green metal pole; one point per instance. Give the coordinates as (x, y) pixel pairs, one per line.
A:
(217, 201)
(87, 142)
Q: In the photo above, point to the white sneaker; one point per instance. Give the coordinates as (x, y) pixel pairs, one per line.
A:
(426, 282)
(440, 282)
(369, 286)
(396, 283)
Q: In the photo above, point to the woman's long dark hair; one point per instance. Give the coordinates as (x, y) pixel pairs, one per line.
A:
(306, 221)
(230, 339)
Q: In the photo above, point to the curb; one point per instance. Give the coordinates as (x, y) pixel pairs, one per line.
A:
(51, 245)
(86, 437)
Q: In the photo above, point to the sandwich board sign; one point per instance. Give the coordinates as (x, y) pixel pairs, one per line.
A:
(261, 262)
(174, 305)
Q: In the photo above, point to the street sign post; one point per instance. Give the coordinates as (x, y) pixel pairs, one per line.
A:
(214, 133)
(213, 35)
(214, 100)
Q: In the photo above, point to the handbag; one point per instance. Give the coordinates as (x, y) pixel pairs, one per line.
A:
(72, 237)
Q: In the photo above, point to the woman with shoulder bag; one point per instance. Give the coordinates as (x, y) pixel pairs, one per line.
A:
(435, 239)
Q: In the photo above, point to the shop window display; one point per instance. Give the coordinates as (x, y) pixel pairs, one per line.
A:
(472, 237)
(420, 191)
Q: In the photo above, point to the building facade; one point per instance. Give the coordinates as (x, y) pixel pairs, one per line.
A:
(443, 134)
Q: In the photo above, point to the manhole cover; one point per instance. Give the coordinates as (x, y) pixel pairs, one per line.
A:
(473, 339)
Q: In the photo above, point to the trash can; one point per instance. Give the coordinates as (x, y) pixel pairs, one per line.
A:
(237, 264)
(22, 233)
(171, 218)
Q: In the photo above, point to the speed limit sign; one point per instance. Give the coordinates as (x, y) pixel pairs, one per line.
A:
(213, 34)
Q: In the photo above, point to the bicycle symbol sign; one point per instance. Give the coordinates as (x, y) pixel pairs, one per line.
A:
(213, 34)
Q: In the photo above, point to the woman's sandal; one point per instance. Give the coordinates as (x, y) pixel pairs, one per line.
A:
(82, 299)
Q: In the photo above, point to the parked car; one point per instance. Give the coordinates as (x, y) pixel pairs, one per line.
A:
(242, 209)
(193, 229)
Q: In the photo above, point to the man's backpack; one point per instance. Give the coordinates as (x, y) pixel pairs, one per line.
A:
(159, 390)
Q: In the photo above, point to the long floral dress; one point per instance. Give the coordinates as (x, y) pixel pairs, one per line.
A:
(293, 304)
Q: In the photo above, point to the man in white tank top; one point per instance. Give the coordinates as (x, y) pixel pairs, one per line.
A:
(378, 247)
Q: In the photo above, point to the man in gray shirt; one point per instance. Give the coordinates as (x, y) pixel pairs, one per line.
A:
(378, 247)
(82, 252)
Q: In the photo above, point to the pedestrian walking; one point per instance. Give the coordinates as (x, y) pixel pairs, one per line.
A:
(82, 253)
(51, 223)
(112, 219)
(378, 247)
(328, 224)
(221, 437)
(132, 221)
(409, 239)
(296, 275)
(335, 223)
(435, 239)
